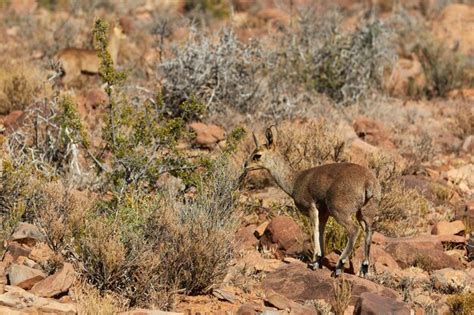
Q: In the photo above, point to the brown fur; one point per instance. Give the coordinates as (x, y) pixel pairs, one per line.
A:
(339, 190)
(77, 61)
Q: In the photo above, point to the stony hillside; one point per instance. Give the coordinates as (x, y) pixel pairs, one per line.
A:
(125, 127)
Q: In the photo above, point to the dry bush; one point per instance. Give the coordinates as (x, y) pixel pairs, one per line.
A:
(90, 301)
(401, 210)
(445, 70)
(342, 295)
(463, 125)
(307, 144)
(416, 149)
(19, 85)
(348, 67)
(461, 304)
(144, 248)
(216, 74)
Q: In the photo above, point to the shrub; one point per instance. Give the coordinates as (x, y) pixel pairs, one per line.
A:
(19, 85)
(348, 67)
(445, 70)
(342, 295)
(310, 144)
(217, 75)
(462, 304)
(401, 209)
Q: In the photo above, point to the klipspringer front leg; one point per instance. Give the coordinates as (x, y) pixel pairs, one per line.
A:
(317, 251)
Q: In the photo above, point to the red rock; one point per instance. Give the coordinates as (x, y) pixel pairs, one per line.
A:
(23, 276)
(207, 135)
(247, 309)
(424, 254)
(450, 280)
(371, 304)
(16, 250)
(245, 237)
(283, 234)
(433, 191)
(407, 77)
(379, 258)
(96, 97)
(448, 228)
(27, 233)
(297, 282)
(372, 132)
(41, 253)
(330, 261)
(55, 284)
(283, 303)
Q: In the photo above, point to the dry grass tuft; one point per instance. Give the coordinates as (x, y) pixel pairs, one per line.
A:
(19, 85)
(342, 295)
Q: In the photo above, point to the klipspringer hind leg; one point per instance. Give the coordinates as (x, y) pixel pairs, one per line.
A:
(317, 250)
(353, 231)
(366, 218)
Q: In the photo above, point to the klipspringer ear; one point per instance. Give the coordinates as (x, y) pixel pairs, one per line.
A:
(271, 136)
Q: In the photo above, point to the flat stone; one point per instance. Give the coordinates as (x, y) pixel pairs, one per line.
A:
(297, 282)
(370, 304)
(57, 283)
(23, 276)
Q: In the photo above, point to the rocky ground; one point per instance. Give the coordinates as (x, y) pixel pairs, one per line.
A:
(422, 253)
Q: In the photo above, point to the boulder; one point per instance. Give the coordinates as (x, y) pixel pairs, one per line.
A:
(13, 120)
(23, 276)
(448, 228)
(148, 312)
(41, 253)
(297, 282)
(247, 309)
(28, 303)
(380, 260)
(285, 236)
(462, 176)
(435, 192)
(57, 283)
(245, 237)
(449, 280)
(283, 303)
(27, 233)
(16, 250)
(372, 304)
(423, 253)
(256, 262)
(372, 132)
(207, 135)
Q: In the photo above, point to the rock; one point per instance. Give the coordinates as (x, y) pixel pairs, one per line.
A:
(148, 312)
(247, 309)
(41, 253)
(16, 250)
(372, 132)
(454, 27)
(284, 235)
(260, 230)
(379, 258)
(297, 282)
(449, 280)
(57, 283)
(422, 251)
(207, 135)
(463, 174)
(28, 303)
(3, 276)
(435, 192)
(23, 276)
(258, 263)
(448, 228)
(28, 234)
(224, 295)
(330, 261)
(245, 237)
(370, 304)
(418, 277)
(95, 98)
(283, 303)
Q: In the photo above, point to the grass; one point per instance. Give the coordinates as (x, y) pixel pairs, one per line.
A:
(461, 304)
